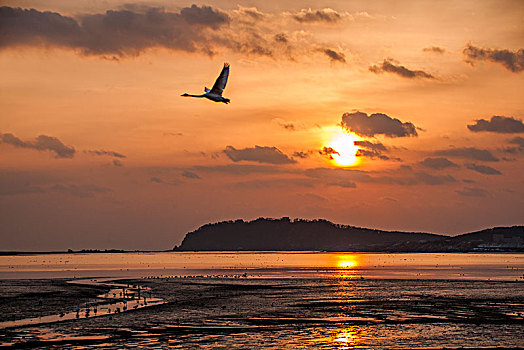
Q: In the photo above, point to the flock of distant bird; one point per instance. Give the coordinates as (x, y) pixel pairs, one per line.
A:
(215, 94)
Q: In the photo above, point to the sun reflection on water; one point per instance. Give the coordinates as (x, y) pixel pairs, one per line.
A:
(348, 338)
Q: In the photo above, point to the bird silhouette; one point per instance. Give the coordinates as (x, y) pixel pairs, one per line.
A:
(215, 94)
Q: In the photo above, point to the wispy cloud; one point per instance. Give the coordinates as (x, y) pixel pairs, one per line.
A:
(483, 169)
(468, 153)
(511, 60)
(389, 66)
(438, 163)
(41, 143)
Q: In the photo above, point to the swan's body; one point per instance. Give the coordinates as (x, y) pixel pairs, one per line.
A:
(215, 93)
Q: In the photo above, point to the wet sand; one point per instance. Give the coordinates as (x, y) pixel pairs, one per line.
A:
(245, 312)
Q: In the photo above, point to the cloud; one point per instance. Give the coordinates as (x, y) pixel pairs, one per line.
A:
(41, 143)
(119, 32)
(250, 12)
(371, 150)
(468, 153)
(335, 56)
(512, 60)
(328, 152)
(377, 124)
(17, 183)
(434, 49)
(343, 184)
(190, 175)
(325, 15)
(173, 134)
(105, 153)
(438, 163)
(389, 66)
(81, 191)
(118, 163)
(301, 154)
(158, 180)
(483, 169)
(517, 141)
(472, 192)
(403, 176)
(290, 126)
(260, 154)
(498, 124)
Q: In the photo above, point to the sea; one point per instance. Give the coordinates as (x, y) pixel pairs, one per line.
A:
(255, 300)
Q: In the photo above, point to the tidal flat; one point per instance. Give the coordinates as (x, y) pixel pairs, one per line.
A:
(326, 307)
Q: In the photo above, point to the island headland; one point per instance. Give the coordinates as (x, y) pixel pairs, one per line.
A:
(284, 234)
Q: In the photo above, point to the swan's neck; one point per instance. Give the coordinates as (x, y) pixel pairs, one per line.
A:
(189, 95)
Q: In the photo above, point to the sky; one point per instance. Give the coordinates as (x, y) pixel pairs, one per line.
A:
(404, 115)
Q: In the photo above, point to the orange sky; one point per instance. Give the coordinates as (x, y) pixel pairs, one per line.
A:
(125, 162)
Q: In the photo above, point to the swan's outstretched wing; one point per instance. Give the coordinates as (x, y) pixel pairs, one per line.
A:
(221, 82)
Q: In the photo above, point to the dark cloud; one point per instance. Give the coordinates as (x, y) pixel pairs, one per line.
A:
(371, 154)
(517, 141)
(438, 163)
(301, 154)
(105, 153)
(434, 49)
(389, 66)
(512, 60)
(377, 146)
(41, 143)
(468, 153)
(483, 169)
(335, 56)
(82, 191)
(371, 150)
(190, 174)
(323, 15)
(472, 192)
(328, 152)
(117, 163)
(286, 125)
(498, 124)
(119, 33)
(377, 124)
(260, 154)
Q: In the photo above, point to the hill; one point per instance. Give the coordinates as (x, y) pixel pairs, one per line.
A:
(322, 235)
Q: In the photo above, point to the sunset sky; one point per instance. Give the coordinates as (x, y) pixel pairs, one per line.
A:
(397, 115)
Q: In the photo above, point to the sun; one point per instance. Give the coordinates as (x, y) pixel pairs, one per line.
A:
(343, 144)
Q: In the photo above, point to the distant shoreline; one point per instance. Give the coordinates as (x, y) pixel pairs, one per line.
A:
(115, 251)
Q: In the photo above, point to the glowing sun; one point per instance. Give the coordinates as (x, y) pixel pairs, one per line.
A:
(346, 150)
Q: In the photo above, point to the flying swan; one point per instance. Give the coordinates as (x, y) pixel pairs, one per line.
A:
(215, 94)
